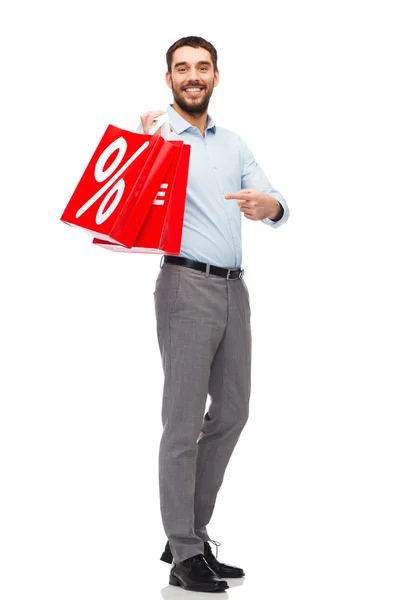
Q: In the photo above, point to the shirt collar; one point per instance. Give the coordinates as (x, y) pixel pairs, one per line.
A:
(179, 124)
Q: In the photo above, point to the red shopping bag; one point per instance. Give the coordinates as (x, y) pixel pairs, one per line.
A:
(122, 179)
(162, 229)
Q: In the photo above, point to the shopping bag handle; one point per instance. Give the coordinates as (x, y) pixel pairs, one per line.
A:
(161, 121)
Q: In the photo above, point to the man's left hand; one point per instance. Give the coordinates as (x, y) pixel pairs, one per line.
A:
(255, 204)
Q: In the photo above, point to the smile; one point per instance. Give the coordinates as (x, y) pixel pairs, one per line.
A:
(193, 91)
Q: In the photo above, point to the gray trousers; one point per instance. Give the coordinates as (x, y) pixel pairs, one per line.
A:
(204, 335)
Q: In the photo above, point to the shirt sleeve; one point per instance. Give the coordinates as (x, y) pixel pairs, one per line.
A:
(253, 177)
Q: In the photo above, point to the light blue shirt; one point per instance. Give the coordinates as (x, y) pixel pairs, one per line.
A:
(220, 163)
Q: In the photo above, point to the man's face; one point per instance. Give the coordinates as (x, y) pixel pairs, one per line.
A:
(192, 79)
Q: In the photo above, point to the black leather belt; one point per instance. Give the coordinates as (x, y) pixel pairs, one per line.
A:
(201, 266)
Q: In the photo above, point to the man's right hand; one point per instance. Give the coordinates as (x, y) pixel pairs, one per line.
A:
(148, 118)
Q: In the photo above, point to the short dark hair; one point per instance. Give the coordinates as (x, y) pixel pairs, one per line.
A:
(194, 42)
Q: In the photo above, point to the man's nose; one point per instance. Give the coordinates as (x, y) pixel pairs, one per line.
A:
(194, 74)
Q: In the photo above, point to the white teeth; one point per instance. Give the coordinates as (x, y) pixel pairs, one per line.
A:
(193, 89)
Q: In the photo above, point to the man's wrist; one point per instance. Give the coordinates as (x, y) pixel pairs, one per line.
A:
(277, 216)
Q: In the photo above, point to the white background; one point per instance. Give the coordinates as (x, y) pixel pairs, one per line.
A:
(314, 499)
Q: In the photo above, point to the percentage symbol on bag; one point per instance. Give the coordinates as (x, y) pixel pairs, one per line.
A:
(101, 174)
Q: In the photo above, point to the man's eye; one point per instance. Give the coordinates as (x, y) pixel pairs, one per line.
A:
(183, 69)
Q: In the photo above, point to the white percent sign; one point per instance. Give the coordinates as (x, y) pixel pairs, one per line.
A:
(119, 145)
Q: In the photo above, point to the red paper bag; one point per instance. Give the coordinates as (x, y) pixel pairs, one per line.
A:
(162, 230)
(116, 191)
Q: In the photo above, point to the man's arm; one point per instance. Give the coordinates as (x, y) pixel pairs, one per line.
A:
(253, 177)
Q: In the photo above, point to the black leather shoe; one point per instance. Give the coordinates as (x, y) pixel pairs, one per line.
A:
(167, 555)
(196, 575)
(221, 569)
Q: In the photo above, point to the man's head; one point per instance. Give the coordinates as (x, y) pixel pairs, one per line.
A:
(192, 63)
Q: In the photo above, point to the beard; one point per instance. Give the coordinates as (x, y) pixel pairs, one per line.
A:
(193, 106)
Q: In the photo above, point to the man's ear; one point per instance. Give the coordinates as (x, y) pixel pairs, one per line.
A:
(216, 77)
(168, 79)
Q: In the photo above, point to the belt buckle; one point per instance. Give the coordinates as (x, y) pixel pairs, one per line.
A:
(240, 273)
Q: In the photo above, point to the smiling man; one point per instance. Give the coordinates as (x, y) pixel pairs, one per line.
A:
(203, 316)
(192, 89)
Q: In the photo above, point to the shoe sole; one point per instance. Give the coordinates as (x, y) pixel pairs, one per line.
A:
(174, 581)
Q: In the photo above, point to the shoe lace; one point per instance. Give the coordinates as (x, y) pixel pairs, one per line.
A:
(216, 544)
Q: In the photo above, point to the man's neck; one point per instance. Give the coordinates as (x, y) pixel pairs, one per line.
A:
(197, 121)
